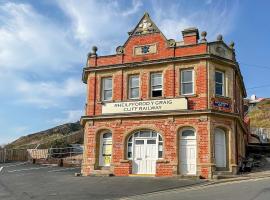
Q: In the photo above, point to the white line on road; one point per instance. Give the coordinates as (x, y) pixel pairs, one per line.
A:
(14, 165)
(28, 169)
(59, 170)
(1, 168)
(192, 188)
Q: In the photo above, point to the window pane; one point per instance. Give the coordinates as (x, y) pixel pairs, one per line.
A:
(129, 154)
(134, 81)
(160, 154)
(154, 134)
(219, 77)
(144, 133)
(107, 135)
(139, 142)
(187, 133)
(187, 76)
(108, 95)
(107, 83)
(219, 89)
(187, 88)
(157, 93)
(156, 79)
(158, 87)
(159, 138)
(151, 141)
(134, 93)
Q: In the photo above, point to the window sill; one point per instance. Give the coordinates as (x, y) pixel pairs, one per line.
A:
(223, 97)
(188, 95)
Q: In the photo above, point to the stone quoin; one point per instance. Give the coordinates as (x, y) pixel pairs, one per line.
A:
(162, 107)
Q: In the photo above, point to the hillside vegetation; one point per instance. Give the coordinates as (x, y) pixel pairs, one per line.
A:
(59, 136)
(260, 115)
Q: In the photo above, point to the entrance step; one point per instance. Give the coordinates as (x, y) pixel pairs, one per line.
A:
(102, 172)
(223, 175)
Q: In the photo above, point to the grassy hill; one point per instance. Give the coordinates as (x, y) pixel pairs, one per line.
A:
(59, 136)
(260, 115)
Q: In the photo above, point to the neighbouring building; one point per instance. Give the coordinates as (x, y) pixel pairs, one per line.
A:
(164, 108)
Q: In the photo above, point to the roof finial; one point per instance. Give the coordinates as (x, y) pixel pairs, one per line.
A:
(203, 34)
(219, 37)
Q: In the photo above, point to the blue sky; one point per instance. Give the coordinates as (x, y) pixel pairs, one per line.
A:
(43, 48)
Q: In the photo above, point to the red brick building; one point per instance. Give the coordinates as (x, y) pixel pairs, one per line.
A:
(164, 108)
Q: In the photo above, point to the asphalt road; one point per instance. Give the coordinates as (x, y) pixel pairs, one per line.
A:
(22, 181)
(256, 189)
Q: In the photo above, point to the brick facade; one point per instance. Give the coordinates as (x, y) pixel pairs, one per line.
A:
(201, 114)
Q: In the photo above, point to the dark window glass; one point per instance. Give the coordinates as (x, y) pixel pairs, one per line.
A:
(139, 141)
(187, 133)
(151, 141)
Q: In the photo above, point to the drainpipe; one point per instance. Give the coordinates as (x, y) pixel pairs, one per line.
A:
(235, 128)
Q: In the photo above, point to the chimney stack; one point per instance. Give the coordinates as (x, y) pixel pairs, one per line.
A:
(190, 36)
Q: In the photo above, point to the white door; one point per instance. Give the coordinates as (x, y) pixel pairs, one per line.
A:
(188, 152)
(188, 157)
(220, 148)
(145, 156)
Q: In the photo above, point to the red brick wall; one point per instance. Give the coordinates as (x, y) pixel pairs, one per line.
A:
(167, 127)
(163, 51)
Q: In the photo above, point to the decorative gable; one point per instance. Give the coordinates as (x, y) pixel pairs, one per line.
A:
(145, 26)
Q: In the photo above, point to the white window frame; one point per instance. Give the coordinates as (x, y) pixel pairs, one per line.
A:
(103, 89)
(223, 83)
(130, 87)
(151, 86)
(182, 83)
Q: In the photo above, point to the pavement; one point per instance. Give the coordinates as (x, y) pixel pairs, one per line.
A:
(24, 181)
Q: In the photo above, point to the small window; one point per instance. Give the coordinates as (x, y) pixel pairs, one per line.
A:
(151, 141)
(187, 85)
(107, 89)
(219, 79)
(188, 133)
(139, 141)
(134, 87)
(107, 135)
(156, 84)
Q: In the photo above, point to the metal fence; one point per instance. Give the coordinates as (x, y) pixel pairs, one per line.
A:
(68, 153)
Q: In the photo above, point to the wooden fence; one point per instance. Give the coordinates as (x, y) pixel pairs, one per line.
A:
(8, 155)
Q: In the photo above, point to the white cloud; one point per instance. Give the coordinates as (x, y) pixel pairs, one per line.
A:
(214, 17)
(31, 41)
(48, 94)
(71, 116)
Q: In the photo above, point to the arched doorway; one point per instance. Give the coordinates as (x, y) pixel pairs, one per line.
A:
(220, 149)
(188, 152)
(105, 151)
(144, 147)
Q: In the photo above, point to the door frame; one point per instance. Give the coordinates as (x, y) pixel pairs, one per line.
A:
(101, 139)
(226, 168)
(180, 138)
(159, 142)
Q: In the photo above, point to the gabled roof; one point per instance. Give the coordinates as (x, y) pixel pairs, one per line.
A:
(145, 26)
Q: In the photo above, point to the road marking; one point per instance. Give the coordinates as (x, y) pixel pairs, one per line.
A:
(16, 164)
(59, 170)
(1, 168)
(192, 188)
(27, 169)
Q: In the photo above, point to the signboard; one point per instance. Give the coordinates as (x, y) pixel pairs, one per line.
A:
(222, 104)
(145, 106)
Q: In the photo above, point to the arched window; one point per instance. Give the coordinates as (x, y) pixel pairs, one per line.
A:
(147, 136)
(105, 152)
